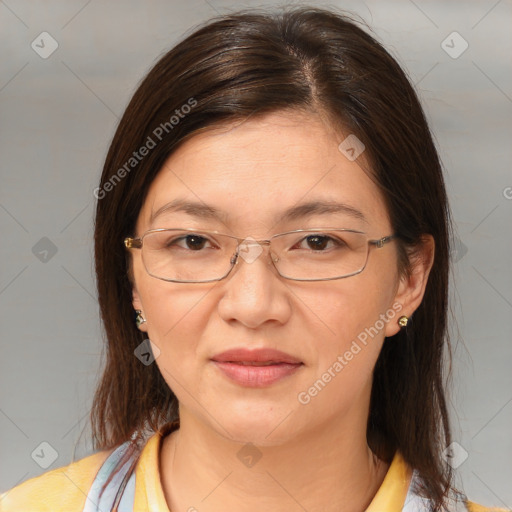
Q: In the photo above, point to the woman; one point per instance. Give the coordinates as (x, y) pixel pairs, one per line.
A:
(272, 253)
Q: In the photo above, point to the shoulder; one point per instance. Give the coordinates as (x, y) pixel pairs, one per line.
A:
(61, 489)
(475, 507)
(456, 502)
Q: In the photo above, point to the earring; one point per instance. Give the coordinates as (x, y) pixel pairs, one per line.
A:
(402, 321)
(139, 319)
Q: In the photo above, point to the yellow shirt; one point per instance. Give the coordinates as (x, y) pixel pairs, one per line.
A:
(69, 488)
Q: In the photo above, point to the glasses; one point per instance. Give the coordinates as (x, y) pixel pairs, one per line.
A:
(191, 256)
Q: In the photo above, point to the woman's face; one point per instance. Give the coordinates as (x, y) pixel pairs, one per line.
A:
(251, 173)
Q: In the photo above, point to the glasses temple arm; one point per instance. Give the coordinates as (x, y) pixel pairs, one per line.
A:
(384, 240)
(133, 243)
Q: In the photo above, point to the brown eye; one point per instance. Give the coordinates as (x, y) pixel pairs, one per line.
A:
(195, 242)
(191, 242)
(319, 242)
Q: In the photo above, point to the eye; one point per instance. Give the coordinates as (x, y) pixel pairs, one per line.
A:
(191, 242)
(319, 242)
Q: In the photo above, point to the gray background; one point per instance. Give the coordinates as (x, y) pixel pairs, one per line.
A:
(57, 118)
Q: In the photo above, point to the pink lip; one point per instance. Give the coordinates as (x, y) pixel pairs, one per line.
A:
(252, 374)
(260, 355)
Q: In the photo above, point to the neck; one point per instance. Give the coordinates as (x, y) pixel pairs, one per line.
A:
(330, 469)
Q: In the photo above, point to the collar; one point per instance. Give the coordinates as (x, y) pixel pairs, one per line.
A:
(393, 490)
(149, 494)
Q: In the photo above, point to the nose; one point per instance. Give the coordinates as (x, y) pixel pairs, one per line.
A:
(254, 292)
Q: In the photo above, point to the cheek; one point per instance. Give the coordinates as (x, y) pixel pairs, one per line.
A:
(347, 324)
(176, 320)
(176, 316)
(343, 310)
(168, 307)
(349, 339)
(171, 311)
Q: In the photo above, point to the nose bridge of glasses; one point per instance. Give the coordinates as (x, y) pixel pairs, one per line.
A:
(250, 249)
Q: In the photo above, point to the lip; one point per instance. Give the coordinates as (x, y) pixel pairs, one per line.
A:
(256, 368)
(260, 355)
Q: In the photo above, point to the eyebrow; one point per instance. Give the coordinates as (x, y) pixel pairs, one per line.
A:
(204, 211)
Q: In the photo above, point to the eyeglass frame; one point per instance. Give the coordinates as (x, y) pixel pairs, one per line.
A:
(138, 242)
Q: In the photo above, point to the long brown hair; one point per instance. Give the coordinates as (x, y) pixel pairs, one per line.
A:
(252, 63)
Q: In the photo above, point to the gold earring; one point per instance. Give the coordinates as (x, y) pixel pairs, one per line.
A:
(402, 321)
(139, 319)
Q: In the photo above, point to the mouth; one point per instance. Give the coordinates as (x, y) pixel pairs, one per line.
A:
(257, 357)
(256, 368)
(255, 363)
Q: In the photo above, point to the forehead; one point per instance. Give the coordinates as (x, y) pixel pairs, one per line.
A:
(251, 171)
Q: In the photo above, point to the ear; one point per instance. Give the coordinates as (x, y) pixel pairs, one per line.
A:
(137, 305)
(411, 287)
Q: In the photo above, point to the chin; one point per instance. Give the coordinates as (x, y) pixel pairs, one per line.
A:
(258, 425)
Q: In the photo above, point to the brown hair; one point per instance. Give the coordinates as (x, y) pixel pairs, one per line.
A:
(252, 63)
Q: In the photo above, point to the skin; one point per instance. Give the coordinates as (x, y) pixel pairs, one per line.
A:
(313, 456)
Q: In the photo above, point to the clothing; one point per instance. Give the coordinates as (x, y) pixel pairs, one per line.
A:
(75, 488)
